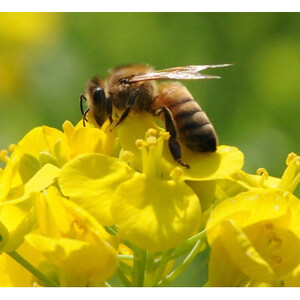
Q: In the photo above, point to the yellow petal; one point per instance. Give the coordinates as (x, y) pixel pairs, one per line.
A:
(221, 270)
(83, 263)
(4, 236)
(12, 274)
(242, 253)
(18, 223)
(41, 180)
(248, 208)
(87, 140)
(91, 179)
(210, 166)
(155, 214)
(52, 217)
(68, 129)
(33, 143)
(294, 279)
(279, 246)
(8, 176)
(205, 190)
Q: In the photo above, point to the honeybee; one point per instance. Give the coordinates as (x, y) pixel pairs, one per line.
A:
(134, 87)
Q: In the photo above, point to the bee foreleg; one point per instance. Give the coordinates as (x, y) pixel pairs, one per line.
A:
(109, 109)
(170, 127)
(84, 116)
(83, 112)
(82, 97)
(130, 104)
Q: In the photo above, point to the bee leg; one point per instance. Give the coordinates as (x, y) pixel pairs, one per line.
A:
(130, 104)
(109, 109)
(84, 116)
(83, 112)
(170, 127)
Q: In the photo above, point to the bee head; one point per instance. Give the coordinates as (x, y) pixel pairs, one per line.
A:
(98, 96)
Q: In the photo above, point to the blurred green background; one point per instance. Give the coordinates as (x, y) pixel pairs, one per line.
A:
(47, 58)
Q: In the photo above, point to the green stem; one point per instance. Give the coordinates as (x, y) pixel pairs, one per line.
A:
(149, 268)
(111, 230)
(160, 265)
(139, 263)
(123, 277)
(173, 275)
(28, 266)
(181, 249)
(125, 268)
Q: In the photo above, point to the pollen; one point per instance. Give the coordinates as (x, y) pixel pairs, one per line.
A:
(12, 147)
(176, 174)
(293, 157)
(4, 155)
(264, 175)
(276, 259)
(151, 132)
(140, 143)
(291, 176)
(165, 135)
(151, 141)
(269, 226)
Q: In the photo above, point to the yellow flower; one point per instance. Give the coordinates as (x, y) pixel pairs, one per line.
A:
(78, 251)
(204, 166)
(144, 191)
(35, 164)
(123, 177)
(216, 191)
(254, 238)
(46, 147)
(90, 139)
(154, 214)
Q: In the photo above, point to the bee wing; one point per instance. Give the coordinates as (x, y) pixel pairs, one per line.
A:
(191, 72)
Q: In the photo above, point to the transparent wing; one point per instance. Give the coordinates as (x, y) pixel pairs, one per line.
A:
(191, 72)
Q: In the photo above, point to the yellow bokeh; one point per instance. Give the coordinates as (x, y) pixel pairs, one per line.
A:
(21, 34)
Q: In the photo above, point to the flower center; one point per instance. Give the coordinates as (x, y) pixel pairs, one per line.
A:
(151, 149)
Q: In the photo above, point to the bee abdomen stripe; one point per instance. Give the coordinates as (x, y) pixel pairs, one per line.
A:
(182, 101)
(185, 114)
(191, 125)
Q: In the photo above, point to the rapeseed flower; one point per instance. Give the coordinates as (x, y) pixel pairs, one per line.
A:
(144, 191)
(59, 188)
(254, 239)
(78, 251)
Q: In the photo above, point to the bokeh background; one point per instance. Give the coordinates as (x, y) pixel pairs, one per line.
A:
(47, 58)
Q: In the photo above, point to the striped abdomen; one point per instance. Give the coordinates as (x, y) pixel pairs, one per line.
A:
(193, 126)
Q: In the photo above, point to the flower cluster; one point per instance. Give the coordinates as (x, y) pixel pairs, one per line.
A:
(81, 206)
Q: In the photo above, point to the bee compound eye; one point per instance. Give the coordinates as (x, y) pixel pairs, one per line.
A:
(98, 95)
